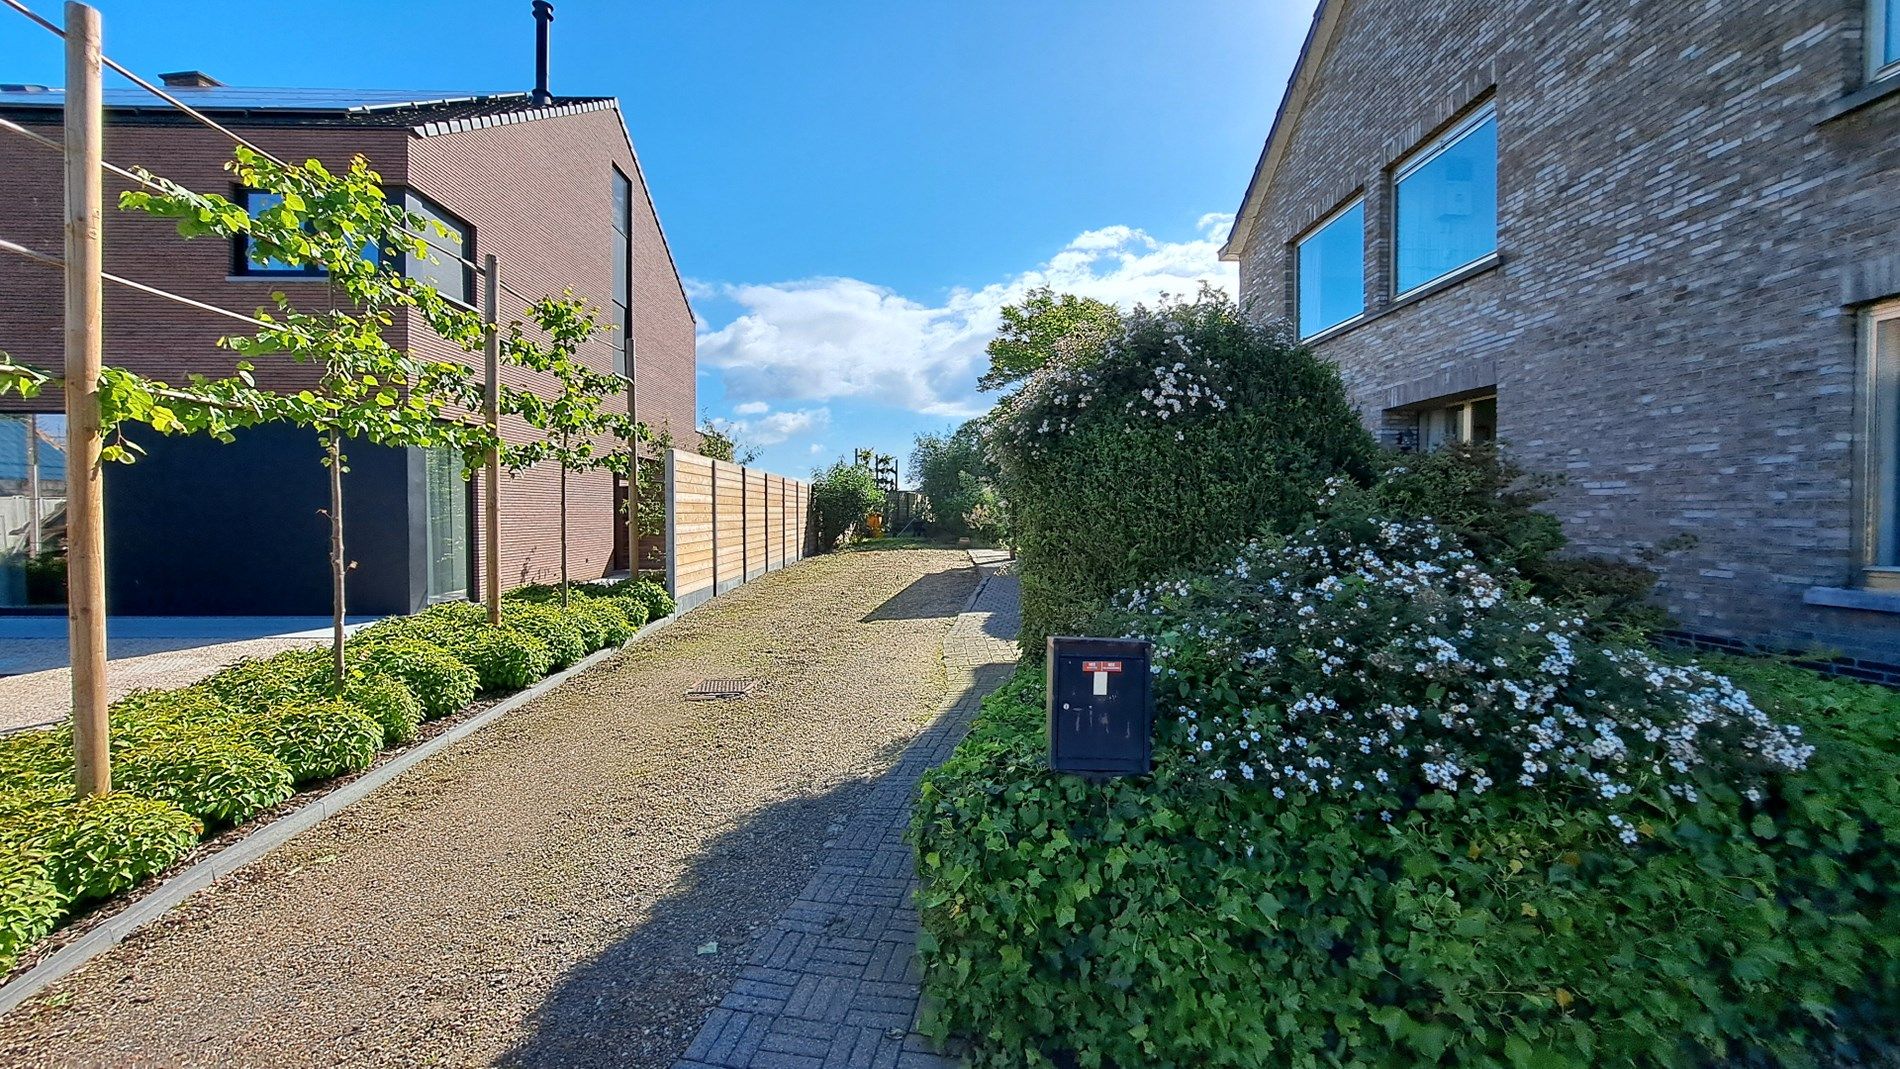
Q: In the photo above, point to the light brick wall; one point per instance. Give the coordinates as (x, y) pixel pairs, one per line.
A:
(1667, 327)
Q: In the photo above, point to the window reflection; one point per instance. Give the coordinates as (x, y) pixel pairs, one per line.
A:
(32, 509)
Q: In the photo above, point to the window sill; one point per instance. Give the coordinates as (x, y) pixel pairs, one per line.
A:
(277, 278)
(1411, 297)
(1340, 327)
(1853, 598)
(1867, 95)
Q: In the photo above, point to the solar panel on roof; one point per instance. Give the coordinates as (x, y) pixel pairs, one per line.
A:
(238, 98)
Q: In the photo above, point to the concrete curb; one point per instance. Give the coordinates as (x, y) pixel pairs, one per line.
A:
(261, 841)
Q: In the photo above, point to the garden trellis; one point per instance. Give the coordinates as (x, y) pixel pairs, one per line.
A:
(387, 396)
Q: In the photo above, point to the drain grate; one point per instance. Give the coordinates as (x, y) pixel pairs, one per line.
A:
(708, 689)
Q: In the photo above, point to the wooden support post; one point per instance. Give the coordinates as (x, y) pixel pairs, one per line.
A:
(491, 412)
(85, 506)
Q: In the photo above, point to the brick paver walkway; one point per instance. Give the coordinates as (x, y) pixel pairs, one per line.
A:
(835, 982)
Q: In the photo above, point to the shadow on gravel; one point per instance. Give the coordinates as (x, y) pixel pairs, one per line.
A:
(924, 598)
(640, 1002)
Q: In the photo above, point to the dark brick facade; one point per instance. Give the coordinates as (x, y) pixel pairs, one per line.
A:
(536, 193)
(1688, 224)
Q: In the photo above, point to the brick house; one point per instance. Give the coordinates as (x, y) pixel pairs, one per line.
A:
(1654, 248)
(551, 186)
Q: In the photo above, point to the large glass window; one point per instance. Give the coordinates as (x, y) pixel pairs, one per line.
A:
(32, 509)
(447, 493)
(442, 268)
(1883, 37)
(1332, 271)
(1883, 439)
(621, 332)
(248, 264)
(1446, 204)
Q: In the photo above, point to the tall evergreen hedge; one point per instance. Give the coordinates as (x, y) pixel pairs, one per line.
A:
(1193, 429)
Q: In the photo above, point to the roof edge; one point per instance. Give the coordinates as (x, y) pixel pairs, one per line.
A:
(1319, 37)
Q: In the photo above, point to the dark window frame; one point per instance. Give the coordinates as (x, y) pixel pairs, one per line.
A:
(241, 262)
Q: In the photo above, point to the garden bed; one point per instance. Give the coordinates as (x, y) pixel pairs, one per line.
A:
(200, 766)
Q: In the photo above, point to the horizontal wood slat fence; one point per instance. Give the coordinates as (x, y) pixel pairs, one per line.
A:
(728, 524)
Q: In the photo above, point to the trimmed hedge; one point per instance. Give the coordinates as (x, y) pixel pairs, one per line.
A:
(1193, 429)
(556, 630)
(1172, 920)
(504, 659)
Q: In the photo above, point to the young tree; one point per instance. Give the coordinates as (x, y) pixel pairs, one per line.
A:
(720, 441)
(954, 476)
(575, 420)
(1041, 327)
(366, 388)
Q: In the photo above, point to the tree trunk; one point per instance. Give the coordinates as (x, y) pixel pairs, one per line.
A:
(563, 520)
(339, 568)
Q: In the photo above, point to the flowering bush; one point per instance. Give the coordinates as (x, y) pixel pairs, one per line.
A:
(1190, 429)
(1374, 661)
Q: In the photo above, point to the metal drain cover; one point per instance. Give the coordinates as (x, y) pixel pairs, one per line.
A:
(708, 689)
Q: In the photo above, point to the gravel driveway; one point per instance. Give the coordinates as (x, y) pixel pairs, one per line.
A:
(599, 861)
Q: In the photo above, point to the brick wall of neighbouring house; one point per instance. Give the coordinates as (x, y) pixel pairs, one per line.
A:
(538, 195)
(1668, 327)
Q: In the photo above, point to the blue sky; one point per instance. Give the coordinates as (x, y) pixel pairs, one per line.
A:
(850, 188)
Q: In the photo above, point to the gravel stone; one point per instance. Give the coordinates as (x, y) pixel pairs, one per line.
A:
(557, 873)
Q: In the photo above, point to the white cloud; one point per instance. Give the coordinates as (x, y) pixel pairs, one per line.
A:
(822, 338)
(817, 448)
(773, 428)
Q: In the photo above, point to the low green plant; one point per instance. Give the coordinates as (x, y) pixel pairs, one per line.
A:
(258, 684)
(317, 740)
(36, 761)
(439, 681)
(217, 780)
(98, 846)
(151, 714)
(30, 904)
(557, 630)
(503, 659)
(387, 701)
(645, 591)
(608, 621)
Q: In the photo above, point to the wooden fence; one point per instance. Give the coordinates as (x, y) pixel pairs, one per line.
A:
(727, 524)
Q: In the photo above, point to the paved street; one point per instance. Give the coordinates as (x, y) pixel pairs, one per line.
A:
(583, 882)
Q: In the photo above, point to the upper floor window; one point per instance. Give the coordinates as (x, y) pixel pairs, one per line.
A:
(621, 332)
(1881, 341)
(1331, 271)
(256, 201)
(1446, 204)
(1883, 38)
(444, 266)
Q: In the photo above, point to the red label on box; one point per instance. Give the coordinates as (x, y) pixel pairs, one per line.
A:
(1101, 666)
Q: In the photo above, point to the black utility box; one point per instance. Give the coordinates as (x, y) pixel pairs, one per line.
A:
(1100, 702)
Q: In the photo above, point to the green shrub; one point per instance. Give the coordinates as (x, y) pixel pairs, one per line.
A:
(634, 611)
(30, 904)
(504, 659)
(841, 497)
(645, 591)
(254, 685)
(1476, 494)
(587, 624)
(150, 714)
(317, 740)
(1190, 430)
(36, 761)
(217, 780)
(388, 702)
(96, 847)
(563, 638)
(1403, 815)
(607, 620)
(440, 682)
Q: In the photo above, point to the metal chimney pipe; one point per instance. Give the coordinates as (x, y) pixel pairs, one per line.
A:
(543, 17)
